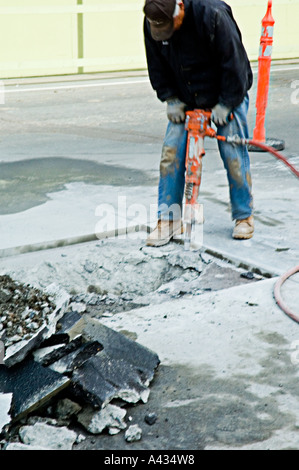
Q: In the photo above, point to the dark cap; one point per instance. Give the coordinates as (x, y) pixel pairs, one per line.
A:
(160, 16)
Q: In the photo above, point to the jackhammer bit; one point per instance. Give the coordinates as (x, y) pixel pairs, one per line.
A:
(198, 126)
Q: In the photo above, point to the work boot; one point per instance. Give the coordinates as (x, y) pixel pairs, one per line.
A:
(164, 232)
(244, 229)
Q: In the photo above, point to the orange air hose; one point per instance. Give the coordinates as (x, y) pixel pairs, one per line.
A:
(277, 293)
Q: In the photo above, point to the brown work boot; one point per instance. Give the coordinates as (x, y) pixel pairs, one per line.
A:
(244, 229)
(164, 232)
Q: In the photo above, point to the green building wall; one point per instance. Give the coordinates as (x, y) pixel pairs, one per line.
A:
(56, 37)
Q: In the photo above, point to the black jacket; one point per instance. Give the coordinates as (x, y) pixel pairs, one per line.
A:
(204, 62)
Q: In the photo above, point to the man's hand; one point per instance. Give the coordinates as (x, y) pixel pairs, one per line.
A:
(176, 110)
(220, 114)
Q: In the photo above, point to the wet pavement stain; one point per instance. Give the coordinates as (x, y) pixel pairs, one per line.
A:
(215, 412)
(27, 183)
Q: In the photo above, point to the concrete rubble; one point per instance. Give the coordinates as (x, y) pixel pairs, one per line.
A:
(29, 316)
(73, 366)
(110, 417)
(133, 433)
(86, 373)
(47, 436)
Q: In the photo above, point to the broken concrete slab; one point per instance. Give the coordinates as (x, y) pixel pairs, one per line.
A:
(43, 355)
(119, 346)
(103, 378)
(46, 356)
(70, 353)
(31, 385)
(5, 404)
(94, 362)
(74, 359)
(123, 369)
(98, 371)
(19, 349)
(47, 436)
(68, 328)
(71, 324)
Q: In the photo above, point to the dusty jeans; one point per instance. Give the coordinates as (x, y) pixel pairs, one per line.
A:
(235, 160)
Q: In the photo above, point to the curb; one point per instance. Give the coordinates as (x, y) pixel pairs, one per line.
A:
(23, 249)
(265, 271)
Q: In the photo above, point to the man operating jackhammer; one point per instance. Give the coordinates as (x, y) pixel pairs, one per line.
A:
(196, 60)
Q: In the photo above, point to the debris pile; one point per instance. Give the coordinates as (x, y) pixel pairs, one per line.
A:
(23, 310)
(68, 364)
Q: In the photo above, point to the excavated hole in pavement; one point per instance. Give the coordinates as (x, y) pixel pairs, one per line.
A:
(127, 278)
(108, 277)
(114, 275)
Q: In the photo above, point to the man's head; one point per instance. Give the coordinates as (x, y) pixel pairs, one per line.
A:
(164, 16)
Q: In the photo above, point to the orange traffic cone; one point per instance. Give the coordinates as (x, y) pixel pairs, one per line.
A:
(264, 67)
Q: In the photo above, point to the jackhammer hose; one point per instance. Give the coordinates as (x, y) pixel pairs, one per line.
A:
(275, 153)
(255, 143)
(277, 288)
(277, 293)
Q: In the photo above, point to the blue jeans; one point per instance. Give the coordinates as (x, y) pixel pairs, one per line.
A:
(235, 159)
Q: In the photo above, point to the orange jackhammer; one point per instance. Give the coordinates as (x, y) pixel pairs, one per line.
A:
(198, 125)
